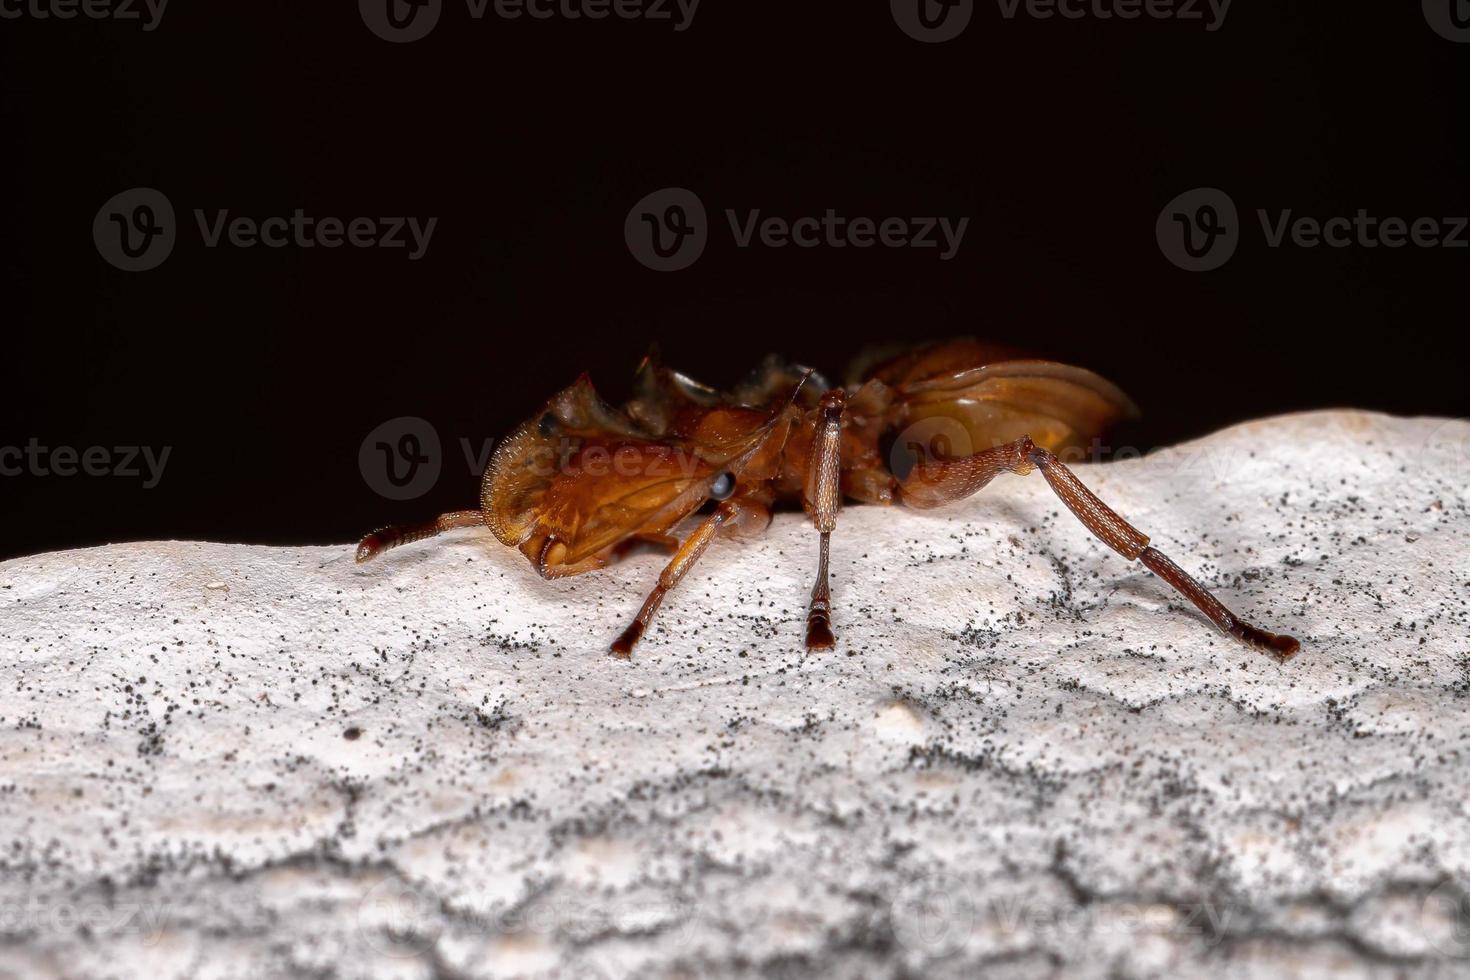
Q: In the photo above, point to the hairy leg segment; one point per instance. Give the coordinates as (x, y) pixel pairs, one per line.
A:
(391, 537)
(935, 482)
(821, 498)
(732, 516)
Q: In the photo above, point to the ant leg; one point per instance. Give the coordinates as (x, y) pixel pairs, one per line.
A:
(819, 613)
(935, 482)
(391, 537)
(731, 515)
(822, 498)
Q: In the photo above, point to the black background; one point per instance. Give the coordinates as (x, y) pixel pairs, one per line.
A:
(264, 369)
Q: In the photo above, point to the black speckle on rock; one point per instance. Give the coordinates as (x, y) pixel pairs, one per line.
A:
(352, 734)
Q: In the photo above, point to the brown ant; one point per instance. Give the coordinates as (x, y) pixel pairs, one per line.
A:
(582, 482)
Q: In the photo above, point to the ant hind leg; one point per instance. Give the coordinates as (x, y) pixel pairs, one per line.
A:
(935, 482)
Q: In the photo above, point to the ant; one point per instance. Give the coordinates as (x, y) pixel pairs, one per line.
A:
(582, 483)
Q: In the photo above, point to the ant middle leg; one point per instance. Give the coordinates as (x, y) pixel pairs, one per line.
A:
(821, 497)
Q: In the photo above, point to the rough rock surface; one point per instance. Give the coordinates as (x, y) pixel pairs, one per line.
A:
(1025, 753)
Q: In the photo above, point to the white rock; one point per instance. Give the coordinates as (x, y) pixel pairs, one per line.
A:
(1024, 754)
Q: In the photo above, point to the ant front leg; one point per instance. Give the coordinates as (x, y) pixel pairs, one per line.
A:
(822, 498)
(935, 482)
(734, 517)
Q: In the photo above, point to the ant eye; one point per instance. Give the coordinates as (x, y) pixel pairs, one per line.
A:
(547, 424)
(723, 487)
